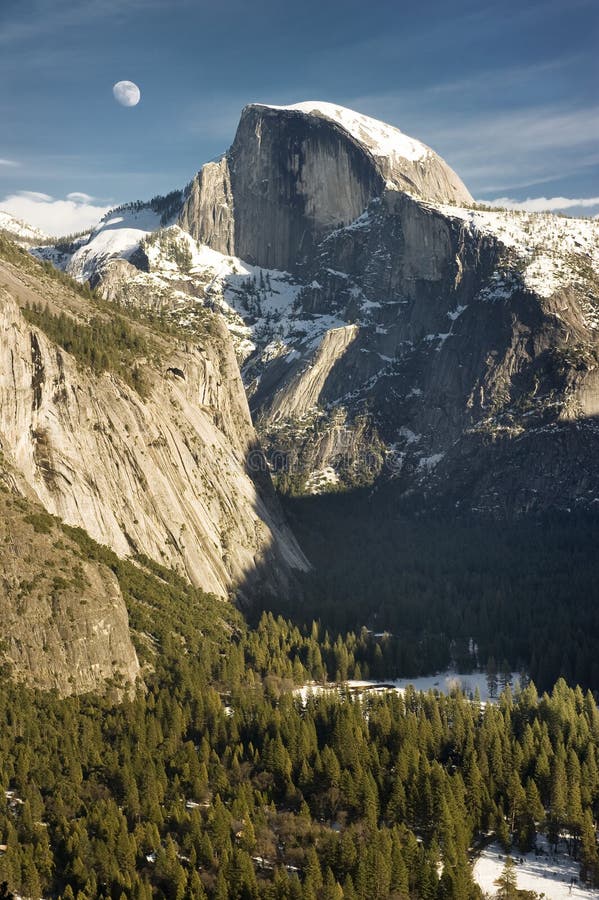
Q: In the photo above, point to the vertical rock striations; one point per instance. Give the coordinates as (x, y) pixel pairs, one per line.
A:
(175, 474)
(295, 174)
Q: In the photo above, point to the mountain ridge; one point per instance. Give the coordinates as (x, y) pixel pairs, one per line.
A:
(390, 343)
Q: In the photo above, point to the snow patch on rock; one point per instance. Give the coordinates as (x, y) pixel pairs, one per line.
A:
(380, 138)
(19, 229)
(549, 251)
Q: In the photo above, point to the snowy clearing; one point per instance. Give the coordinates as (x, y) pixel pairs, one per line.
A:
(443, 682)
(117, 236)
(547, 875)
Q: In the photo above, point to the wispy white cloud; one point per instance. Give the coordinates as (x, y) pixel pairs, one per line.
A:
(76, 212)
(79, 197)
(8, 162)
(502, 150)
(545, 204)
(35, 196)
(533, 128)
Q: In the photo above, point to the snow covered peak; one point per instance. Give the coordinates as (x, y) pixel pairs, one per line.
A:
(381, 139)
(405, 164)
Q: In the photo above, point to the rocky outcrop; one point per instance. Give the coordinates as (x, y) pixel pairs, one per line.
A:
(302, 382)
(208, 210)
(175, 474)
(406, 164)
(64, 625)
(295, 174)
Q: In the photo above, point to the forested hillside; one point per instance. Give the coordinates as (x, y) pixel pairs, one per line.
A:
(217, 780)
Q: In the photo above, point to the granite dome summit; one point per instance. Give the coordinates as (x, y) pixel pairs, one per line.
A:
(294, 174)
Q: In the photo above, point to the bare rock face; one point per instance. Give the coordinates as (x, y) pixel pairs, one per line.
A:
(464, 378)
(295, 174)
(63, 622)
(208, 211)
(177, 475)
(302, 387)
(406, 164)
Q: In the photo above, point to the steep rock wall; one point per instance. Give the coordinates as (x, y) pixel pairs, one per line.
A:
(295, 174)
(292, 179)
(208, 209)
(175, 475)
(405, 163)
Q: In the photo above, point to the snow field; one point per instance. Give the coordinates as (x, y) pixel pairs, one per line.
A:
(555, 877)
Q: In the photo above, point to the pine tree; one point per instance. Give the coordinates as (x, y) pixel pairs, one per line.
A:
(331, 890)
(507, 883)
(589, 856)
(313, 873)
(492, 680)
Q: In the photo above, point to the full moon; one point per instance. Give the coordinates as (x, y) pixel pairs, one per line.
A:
(126, 93)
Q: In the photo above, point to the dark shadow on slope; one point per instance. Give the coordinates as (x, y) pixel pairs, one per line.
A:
(450, 587)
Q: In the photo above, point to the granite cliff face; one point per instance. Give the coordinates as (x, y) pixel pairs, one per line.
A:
(171, 473)
(64, 625)
(472, 368)
(208, 210)
(294, 174)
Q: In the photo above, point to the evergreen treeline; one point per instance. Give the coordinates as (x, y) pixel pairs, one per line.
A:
(102, 344)
(16, 254)
(171, 246)
(218, 781)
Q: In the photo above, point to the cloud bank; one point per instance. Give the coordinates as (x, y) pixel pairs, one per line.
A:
(56, 217)
(546, 204)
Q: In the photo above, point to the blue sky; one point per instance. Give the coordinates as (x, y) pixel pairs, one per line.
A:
(507, 92)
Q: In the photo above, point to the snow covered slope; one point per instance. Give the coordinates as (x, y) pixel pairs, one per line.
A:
(553, 876)
(261, 307)
(20, 230)
(118, 235)
(548, 251)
